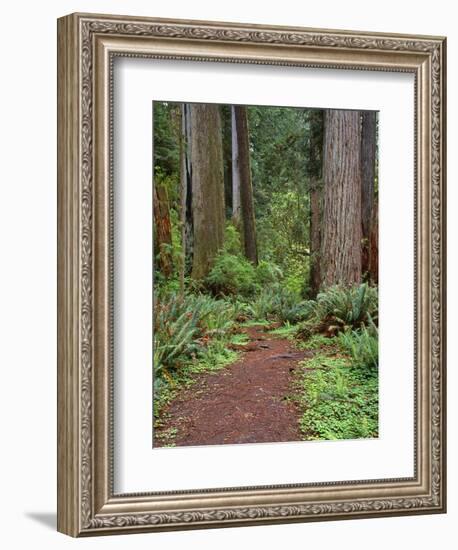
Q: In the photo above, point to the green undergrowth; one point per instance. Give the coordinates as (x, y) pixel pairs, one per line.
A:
(336, 386)
(316, 342)
(339, 397)
(255, 323)
(285, 331)
(239, 339)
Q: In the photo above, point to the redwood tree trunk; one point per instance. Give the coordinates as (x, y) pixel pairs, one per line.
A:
(315, 237)
(315, 174)
(245, 184)
(236, 203)
(186, 218)
(373, 245)
(163, 229)
(341, 241)
(368, 158)
(207, 185)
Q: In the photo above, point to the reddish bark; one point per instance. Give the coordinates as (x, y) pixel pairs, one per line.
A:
(163, 229)
(245, 184)
(368, 159)
(373, 246)
(341, 240)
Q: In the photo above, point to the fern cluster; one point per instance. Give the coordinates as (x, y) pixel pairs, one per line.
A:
(278, 302)
(339, 309)
(362, 345)
(183, 326)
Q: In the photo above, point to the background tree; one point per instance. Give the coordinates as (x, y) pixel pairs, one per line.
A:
(282, 150)
(162, 229)
(236, 214)
(166, 155)
(241, 183)
(373, 245)
(368, 174)
(186, 215)
(278, 151)
(205, 169)
(341, 242)
(185, 208)
(315, 172)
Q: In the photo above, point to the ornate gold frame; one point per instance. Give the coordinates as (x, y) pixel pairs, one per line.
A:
(87, 44)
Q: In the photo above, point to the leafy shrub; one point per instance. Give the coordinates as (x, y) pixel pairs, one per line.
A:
(232, 274)
(268, 273)
(297, 274)
(339, 309)
(232, 241)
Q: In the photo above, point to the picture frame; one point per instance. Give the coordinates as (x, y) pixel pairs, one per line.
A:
(87, 46)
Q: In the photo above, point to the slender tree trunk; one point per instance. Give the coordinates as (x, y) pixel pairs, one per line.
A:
(315, 174)
(315, 237)
(163, 229)
(368, 156)
(341, 242)
(183, 191)
(245, 184)
(236, 205)
(187, 229)
(226, 119)
(373, 245)
(207, 185)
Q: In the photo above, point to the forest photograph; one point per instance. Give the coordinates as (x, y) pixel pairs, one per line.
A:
(265, 274)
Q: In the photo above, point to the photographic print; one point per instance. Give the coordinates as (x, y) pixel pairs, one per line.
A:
(265, 274)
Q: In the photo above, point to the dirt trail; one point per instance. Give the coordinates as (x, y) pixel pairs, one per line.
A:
(242, 403)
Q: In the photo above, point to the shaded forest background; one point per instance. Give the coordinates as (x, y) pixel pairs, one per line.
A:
(298, 187)
(268, 216)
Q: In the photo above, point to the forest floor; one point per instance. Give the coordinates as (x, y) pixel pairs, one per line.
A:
(248, 401)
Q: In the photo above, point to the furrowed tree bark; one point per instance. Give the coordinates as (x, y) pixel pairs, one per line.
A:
(245, 184)
(207, 186)
(163, 229)
(368, 159)
(315, 173)
(341, 242)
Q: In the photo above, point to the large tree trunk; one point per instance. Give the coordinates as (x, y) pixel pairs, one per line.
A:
(341, 242)
(163, 229)
(315, 174)
(205, 152)
(245, 184)
(368, 157)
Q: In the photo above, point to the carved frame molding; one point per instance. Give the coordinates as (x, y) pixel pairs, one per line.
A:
(87, 46)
